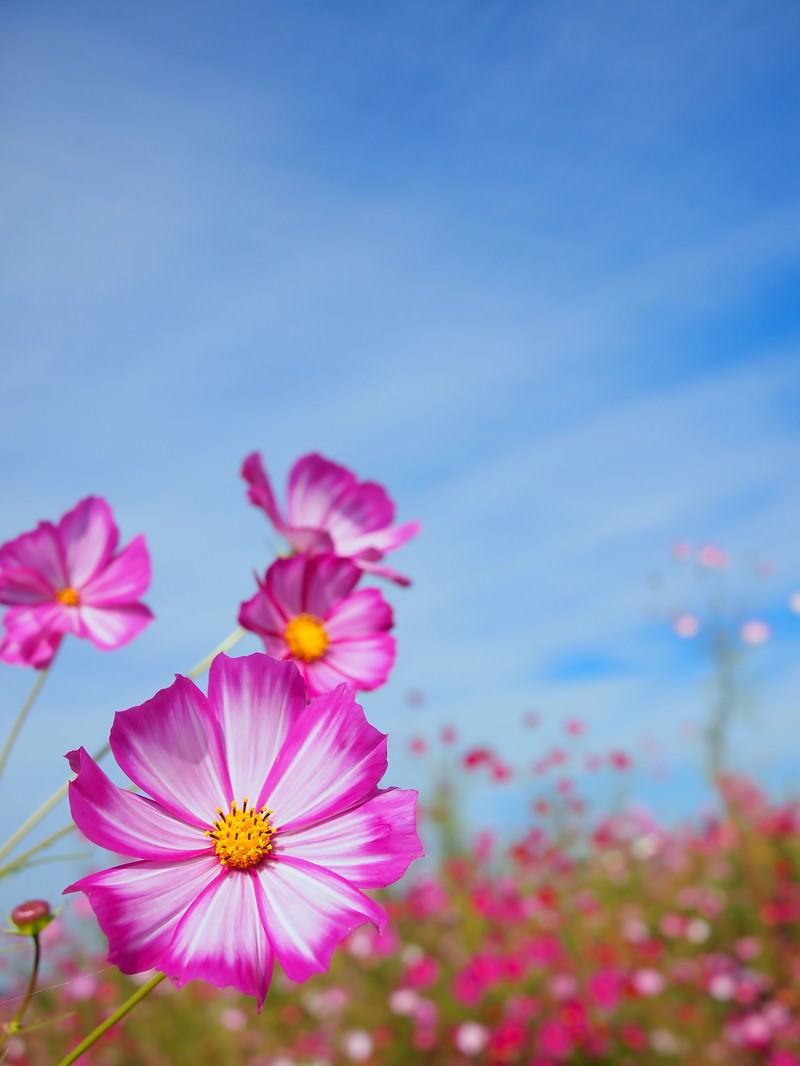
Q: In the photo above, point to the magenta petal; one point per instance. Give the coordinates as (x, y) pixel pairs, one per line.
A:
(284, 585)
(377, 570)
(362, 614)
(256, 701)
(139, 905)
(385, 540)
(171, 746)
(366, 507)
(59, 618)
(370, 845)
(32, 567)
(263, 615)
(111, 627)
(332, 759)
(127, 823)
(259, 489)
(328, 579)
(88, 536)
(123, 580)
(365, 662)
(221, 938)
(308, 911)
(26, 642)
(315, 486)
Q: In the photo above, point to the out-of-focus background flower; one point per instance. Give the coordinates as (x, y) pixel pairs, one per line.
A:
(534, 267)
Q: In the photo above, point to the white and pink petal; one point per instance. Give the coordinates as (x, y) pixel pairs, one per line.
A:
(307, 911)
(332, 759)
(171, 746)
(370, 845)
(127, 823)
(139, 905)
(256, 702)
(221, 938)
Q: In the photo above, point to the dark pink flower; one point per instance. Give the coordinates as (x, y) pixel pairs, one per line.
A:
(261, 824)
(330, 510)
(306, 610)
(66, 578)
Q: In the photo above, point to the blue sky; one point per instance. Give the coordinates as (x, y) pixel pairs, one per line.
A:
(535, 268)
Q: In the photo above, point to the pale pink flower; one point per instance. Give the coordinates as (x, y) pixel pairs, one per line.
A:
(66, 578)
(647, 982)
(686, 625)
(358, 1045)
(306, 610)
(712, 556)
(260, 826)
(754, 632)
(329, 509)
(470, 1038)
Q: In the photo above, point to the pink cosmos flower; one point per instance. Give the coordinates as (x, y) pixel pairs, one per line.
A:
(261, 824)
(66, 578)
(306, 610)
(330, 510)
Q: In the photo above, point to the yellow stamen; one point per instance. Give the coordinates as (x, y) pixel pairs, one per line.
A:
(68, 596)
(306, 637)
(242, 837)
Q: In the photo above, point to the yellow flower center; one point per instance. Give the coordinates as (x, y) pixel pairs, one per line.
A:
(242, 837)
(306, 637)
(68, 596)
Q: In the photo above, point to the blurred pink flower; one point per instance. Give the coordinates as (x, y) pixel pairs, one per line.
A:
(66, 578)
(470, 1038)
(754, 632)
(712, 556)
(686, 626)
(647, 982)
(329, 509)
(222, 884)
(306, 610)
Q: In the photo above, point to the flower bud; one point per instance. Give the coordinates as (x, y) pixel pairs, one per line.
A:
(31, 917)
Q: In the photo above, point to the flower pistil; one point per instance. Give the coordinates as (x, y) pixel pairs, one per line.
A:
(242, 837)
(306, 638)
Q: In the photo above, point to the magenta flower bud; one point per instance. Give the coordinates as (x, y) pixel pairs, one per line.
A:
(31, 917)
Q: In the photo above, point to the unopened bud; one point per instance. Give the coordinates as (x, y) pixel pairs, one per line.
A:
(32, 917)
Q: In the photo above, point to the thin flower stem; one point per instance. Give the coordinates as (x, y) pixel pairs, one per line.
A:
(227, 643)
(119, 1013)
(14, 1025)
(41, 812)
(21, 860)
(23, 714)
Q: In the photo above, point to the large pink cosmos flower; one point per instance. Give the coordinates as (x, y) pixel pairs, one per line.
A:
(66, 578)
(262, 825)
(306, 610)
(329, 509)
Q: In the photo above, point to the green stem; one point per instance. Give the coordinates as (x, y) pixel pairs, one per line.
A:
(228, 642)
(14, 1025)
(41, 812)
(118, 1014)
(19, 862)
(23, 714)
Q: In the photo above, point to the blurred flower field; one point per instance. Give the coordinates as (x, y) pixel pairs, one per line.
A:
(612, 941)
